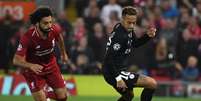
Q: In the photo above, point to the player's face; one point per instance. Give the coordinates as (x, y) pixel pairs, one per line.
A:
(45, 24)
(129, 21)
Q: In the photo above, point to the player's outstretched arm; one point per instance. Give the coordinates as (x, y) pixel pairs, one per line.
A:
(64, 56)
(20, 61)
(150, 33)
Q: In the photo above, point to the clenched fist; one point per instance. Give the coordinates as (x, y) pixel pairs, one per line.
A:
(151, 32)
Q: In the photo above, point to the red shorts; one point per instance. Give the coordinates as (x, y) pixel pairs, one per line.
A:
(53, 79)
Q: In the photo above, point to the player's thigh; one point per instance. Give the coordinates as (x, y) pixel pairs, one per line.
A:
(39, 95)
(35, 82)
(60, 92)
(55, 79)
(146, 82)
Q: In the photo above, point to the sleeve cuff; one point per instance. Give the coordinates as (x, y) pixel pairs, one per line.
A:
(118, 78)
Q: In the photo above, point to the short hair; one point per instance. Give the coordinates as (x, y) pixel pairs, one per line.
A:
(39, 13)
(129, 10)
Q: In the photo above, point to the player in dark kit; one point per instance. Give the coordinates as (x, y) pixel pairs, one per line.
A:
(119, 46)
(35, 54)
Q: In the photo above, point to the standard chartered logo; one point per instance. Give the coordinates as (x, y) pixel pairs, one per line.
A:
(7, 88)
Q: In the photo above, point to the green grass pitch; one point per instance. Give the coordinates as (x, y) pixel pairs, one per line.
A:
(93, 98)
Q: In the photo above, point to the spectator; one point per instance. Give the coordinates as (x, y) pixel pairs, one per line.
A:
(98, 41)
(140, 3)
(7, 30)
(64, 23)
(194, 28)
(190, 72)
(66, 27)
(189, 3)
(82, 47)
(163, 60)
(80, 5)
(169, 9)
(92, 13)
(185, 47)
(124, 3)
(79, 29)
(83, 51)
(113, 21)
(107, 9)
(197, 10)
(82, 63)
(169, 32)
(158, 19)
(92, 5)
(184, 17)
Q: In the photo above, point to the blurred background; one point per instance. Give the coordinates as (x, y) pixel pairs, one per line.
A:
(173, 58)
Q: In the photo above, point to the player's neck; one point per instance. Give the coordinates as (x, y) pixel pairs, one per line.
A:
(41, 34)
(122, 24)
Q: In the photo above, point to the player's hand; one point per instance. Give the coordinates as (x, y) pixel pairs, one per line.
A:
(121, 85)
(64, 58)
(36, 68)
(72, 65)
(151, 31)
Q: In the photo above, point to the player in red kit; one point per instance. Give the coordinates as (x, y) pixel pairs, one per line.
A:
(35, 54)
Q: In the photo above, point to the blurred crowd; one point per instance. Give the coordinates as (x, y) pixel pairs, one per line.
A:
(175, 53)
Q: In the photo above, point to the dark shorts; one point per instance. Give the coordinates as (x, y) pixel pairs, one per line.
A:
(129, 78)
(37, 82)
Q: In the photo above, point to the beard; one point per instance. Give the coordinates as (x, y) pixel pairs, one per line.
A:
(45, 31)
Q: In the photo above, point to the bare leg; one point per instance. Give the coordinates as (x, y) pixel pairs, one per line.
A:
(39, 95)
(61, 94)
(149, 85)
(146, 82)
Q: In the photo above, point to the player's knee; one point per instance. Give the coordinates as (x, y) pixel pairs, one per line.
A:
(62, 99)
(61, 94)
(39, 96)
(40, 99)
(153, 84)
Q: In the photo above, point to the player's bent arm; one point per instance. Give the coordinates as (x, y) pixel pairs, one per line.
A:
(151, 32)
(20, 61)
(60, 43)
(120, 82)
(141, 41)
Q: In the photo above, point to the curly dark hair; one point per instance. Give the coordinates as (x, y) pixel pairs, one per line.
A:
(39, 13)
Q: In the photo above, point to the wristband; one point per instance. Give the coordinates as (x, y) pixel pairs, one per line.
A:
(118, 78)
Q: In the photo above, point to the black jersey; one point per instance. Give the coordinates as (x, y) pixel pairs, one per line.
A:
(119, 46)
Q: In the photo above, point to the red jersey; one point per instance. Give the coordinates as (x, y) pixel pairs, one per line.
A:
(37, 50)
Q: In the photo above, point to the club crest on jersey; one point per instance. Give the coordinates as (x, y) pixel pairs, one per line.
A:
(38, 46)
(53, 42)
(116, 46)
(19, 48)
(131, 76)
(32, 85)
